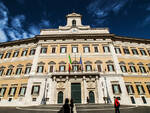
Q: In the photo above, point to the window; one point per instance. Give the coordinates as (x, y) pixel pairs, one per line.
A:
(7, 55)
(117, 50)
(43, 50)
(2, 91)
(22, 91)
(18, 71)
(132, 100)
(1, 72)
(16, 53)
(27, 70)
(1, 56)
(126, 51)
(99, 68)
(73, 23)
(9, 71)
(63, 49)
(53, 49)
(106, 49)
(110, 67)
(40, 69)
(74, 49)
(144, 100)
(133, 69)
(142, 69)
(148, 88)
(75, 67)
(130, 89)
(86, 49)
(134, 51)
(88, 68)
(116, 88)
(123, 68)
(32, 52)
(24, 52)
(35, 90)
(51, 68)
(96, 49)
(62, 68)
(12, 91)
(143, 52)
(140, 89)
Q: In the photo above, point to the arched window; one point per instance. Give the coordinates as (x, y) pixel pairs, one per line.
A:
(73, 23)
(91, 97)
(60, 97)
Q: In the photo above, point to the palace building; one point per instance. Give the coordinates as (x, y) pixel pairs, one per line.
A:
(75, 61)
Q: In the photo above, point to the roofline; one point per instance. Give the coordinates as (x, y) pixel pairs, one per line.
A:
(61, 36)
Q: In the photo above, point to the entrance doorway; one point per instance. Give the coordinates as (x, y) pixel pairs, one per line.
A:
(60, 97)
(76, 92)
(91, 97)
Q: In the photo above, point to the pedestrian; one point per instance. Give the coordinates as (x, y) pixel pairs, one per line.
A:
(66, 106)
(87, 100)
(71, 105)
(116, 105)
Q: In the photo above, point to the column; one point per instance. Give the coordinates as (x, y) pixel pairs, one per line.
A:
(35, 60)
(98, 89)
(115, 59)
(67, 87)
(84, 90)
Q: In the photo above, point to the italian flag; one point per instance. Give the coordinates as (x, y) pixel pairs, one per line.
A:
(70, 62)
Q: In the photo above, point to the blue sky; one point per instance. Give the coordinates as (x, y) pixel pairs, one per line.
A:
(20, 19)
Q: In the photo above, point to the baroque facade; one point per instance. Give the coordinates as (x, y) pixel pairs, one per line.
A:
(102, 65)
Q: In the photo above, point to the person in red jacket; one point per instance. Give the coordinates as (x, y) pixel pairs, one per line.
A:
(116, 105)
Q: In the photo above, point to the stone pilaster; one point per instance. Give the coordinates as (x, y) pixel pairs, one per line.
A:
(115, 59)
(35, 60)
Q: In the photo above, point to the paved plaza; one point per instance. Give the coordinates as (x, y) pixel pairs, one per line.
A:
(80, 108)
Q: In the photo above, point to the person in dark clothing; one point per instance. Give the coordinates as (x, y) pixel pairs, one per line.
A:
(87, 100)
(66, 106)
(116, 105)
(71, 105)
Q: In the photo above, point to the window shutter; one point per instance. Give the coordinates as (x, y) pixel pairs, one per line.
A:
(38, 89)
(127, 88)
(32, 90)
(9, 91)
(132, 88)
(104, 49)
(119, 88)
(108, 49)
(15, 91)
(138, 89)
(143, 88)
(20, 90)
(113, 89)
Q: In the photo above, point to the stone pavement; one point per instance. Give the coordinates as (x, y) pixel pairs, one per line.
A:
(80, 108)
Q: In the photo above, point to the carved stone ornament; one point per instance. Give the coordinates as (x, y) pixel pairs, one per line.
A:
(60, 85)
(91, 84)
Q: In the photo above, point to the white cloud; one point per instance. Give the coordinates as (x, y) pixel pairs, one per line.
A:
(16, 30)
(17, 21)
(102, 8)
(3, 37)
(45, 23)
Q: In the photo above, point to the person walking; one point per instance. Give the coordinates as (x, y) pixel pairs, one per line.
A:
(66, 106)
(71, 105)
(116, 105)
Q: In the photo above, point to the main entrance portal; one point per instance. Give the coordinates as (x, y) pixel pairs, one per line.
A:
(76, 92)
